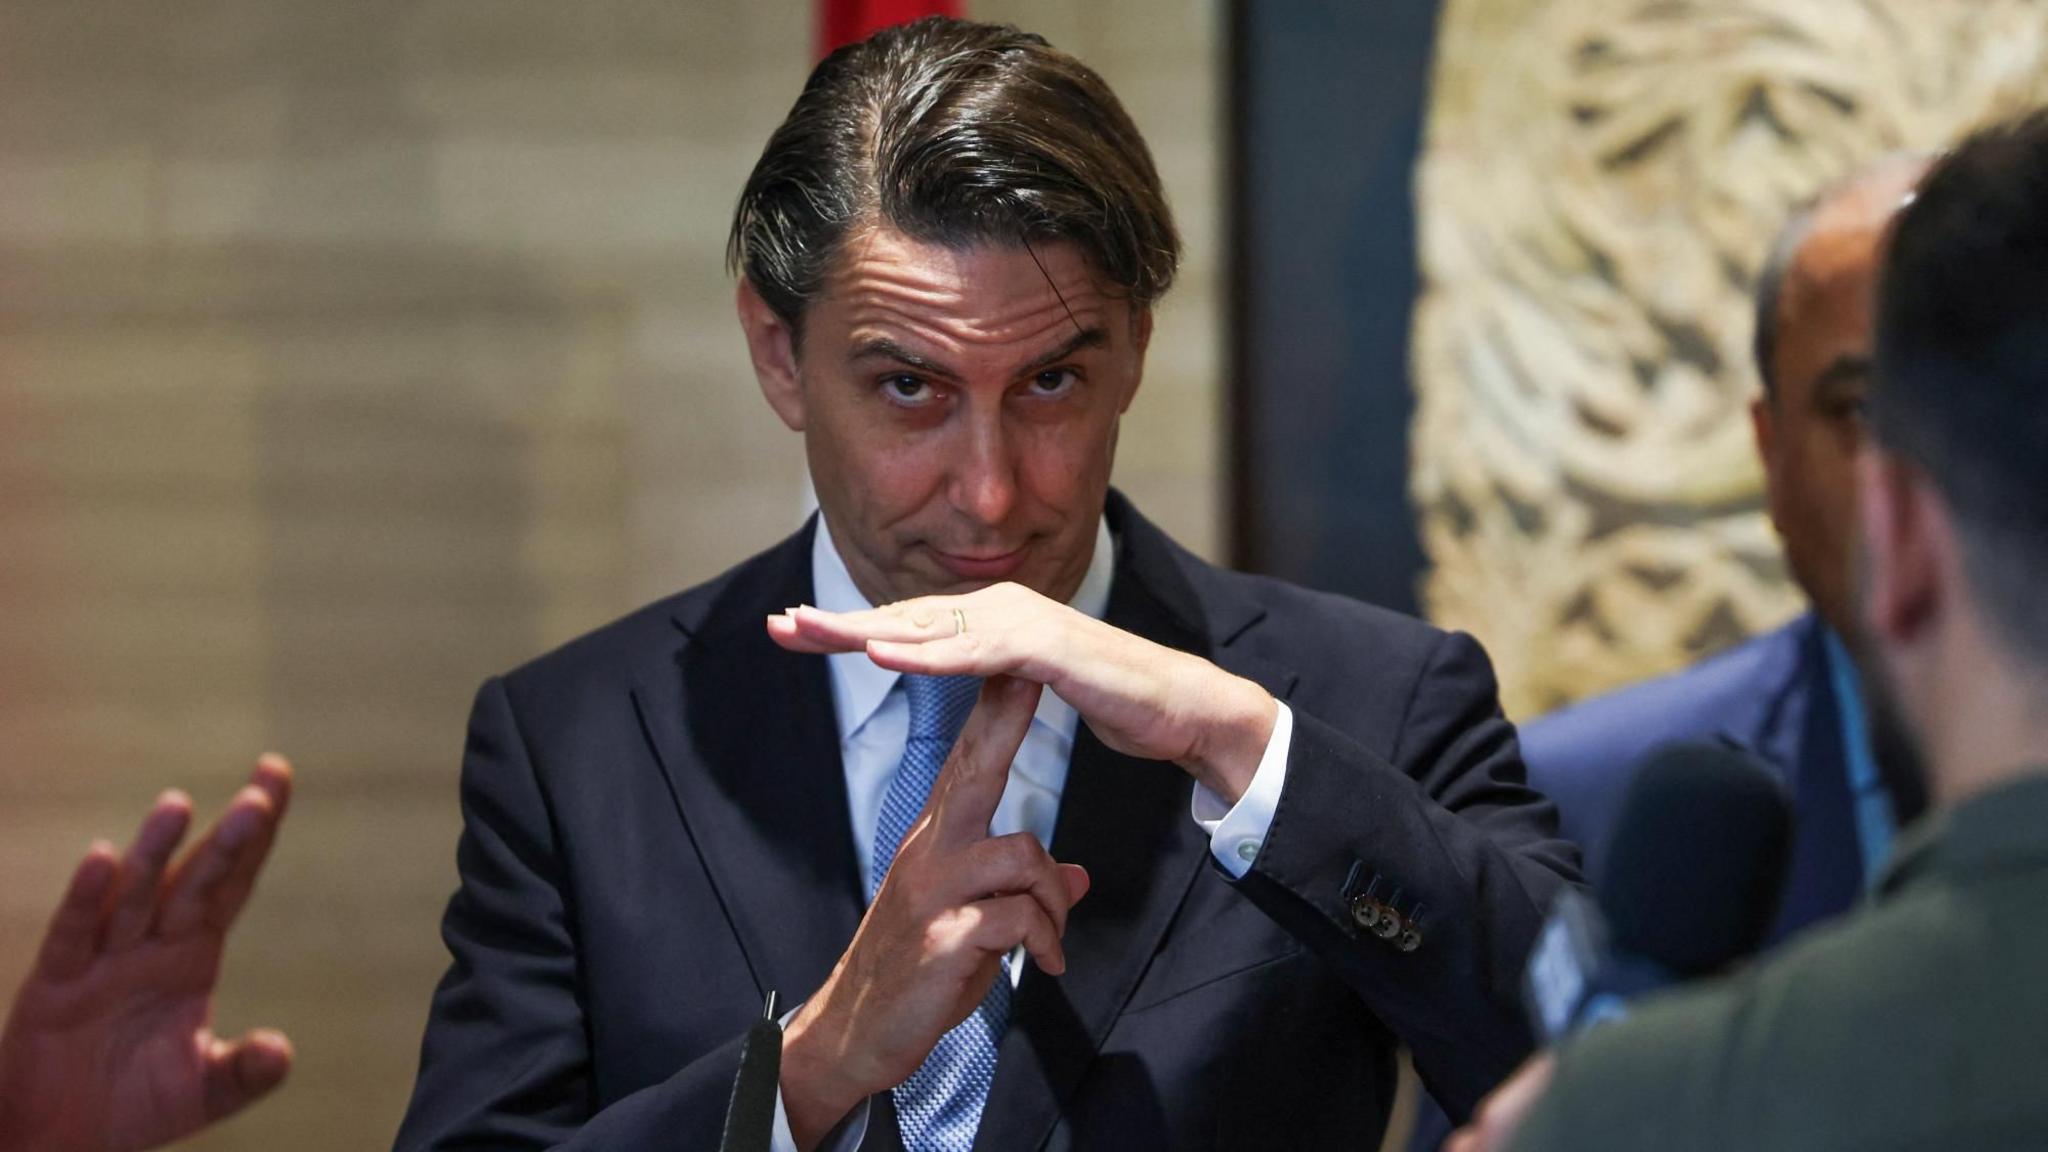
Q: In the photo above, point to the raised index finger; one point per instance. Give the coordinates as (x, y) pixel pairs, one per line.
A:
(965, 796)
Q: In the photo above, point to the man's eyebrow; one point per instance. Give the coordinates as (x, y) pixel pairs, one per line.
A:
(1085, 338)
(881, 347)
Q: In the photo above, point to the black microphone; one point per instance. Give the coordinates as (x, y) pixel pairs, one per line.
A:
(750, 1116)
(1694, 872)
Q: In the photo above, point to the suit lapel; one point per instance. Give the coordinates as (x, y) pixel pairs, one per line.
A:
(744, 733)
(1773, 722)
(1129, 823)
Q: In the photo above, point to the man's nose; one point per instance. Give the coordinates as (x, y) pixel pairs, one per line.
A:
(984, 481)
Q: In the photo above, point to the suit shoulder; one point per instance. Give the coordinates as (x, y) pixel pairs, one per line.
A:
(1727, 693)
(609, 647)
(1350, 651)
(1308, 613)
(613, 650)
(1296, 626)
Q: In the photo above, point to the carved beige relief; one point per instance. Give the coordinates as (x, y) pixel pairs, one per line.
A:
(1601, 181)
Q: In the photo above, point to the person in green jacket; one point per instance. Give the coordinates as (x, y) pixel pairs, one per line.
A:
(1921, 1021)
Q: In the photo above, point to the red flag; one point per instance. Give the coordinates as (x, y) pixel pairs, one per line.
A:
(845, 21)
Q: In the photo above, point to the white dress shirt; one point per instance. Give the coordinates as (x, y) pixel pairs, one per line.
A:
(874, 724)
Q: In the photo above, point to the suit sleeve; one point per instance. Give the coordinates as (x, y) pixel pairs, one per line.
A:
(1456, 842)
(506, 1060)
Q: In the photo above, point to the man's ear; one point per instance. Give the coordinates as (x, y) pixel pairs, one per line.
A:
(773, 348)
(1141, 339)
(1904, 534)
(1763, 426)
(1760, 426)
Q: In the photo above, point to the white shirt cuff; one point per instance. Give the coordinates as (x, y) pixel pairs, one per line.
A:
(844, 1138)
(1236, 832)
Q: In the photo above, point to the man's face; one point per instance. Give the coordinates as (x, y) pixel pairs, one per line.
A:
(959, 409)
(1809, 431)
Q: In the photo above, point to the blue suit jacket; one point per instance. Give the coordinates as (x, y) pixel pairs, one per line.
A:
(655, 832)
(1771, 695)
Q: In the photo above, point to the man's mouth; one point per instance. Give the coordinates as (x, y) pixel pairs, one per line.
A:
(980, 565)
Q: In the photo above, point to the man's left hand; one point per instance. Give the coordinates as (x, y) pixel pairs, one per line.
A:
(1140, 698)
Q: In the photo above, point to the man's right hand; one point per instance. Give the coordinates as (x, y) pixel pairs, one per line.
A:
(955, 902)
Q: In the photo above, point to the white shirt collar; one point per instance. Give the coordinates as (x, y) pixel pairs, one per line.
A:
(859, 685)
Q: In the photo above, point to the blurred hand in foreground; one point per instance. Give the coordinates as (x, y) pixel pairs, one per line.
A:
(110, 1043)
(1499, 1117)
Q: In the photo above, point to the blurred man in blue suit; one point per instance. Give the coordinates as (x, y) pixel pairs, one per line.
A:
(1787, 696)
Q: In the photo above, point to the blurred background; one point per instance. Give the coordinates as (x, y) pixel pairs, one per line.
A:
(351, 353)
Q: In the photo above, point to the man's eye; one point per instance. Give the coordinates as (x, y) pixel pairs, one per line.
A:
(1054, 382)
(907, 390)
(1844, 408)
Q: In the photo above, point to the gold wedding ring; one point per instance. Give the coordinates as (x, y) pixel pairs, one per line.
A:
(959, 622)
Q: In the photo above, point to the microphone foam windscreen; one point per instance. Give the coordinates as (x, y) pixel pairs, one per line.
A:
(1698, 858)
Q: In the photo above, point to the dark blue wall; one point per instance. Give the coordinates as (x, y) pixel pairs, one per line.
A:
(1327, 127)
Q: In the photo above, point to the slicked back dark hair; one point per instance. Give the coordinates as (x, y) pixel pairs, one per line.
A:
(954, 133)
(1962, 362)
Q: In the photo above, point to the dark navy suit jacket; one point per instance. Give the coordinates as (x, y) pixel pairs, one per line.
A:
(656, 833)
(1771, 695)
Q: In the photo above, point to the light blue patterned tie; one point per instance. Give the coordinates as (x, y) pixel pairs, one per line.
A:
(938, 1108)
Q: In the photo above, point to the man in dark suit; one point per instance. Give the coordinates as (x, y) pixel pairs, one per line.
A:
(1292, 831)
(1789, 695)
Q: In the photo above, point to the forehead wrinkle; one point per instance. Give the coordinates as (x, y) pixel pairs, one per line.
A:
(883, 298)
(990, 295)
